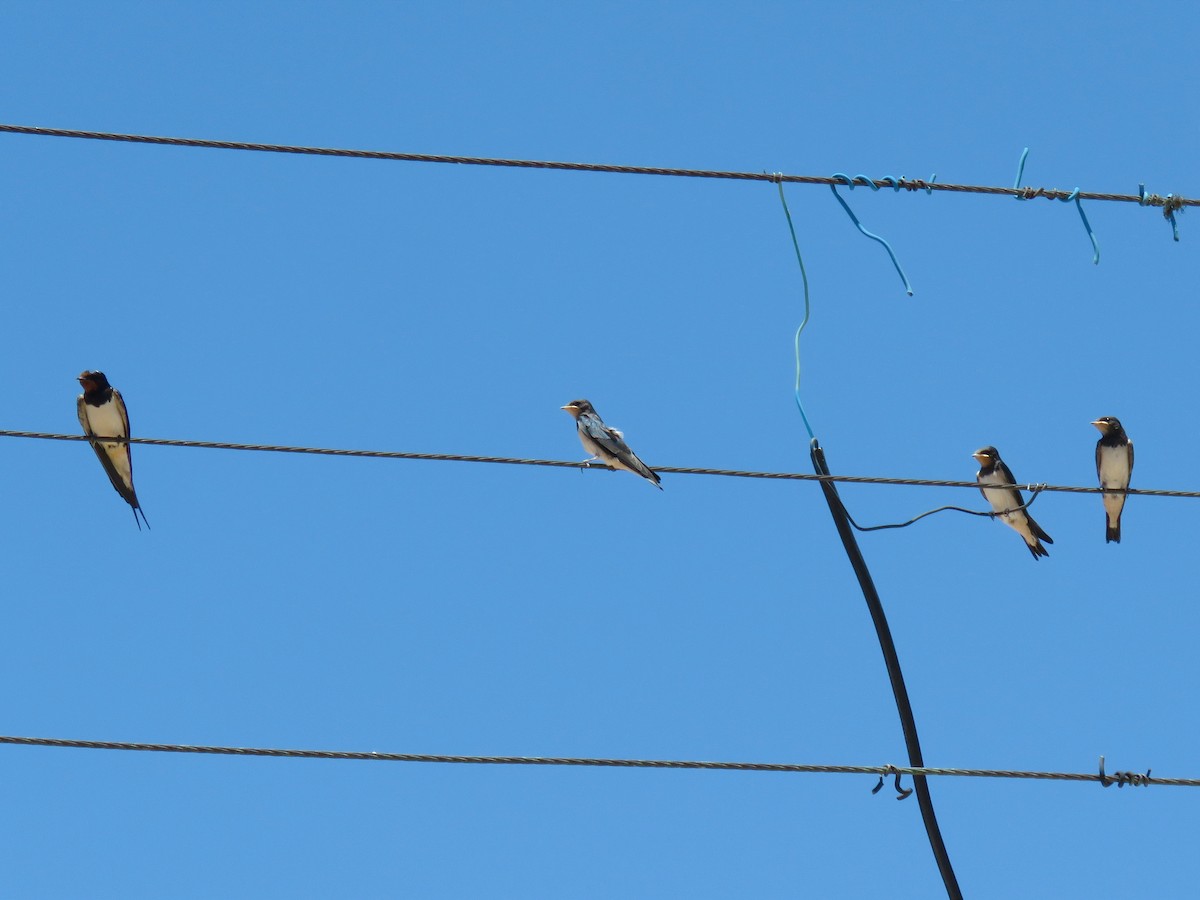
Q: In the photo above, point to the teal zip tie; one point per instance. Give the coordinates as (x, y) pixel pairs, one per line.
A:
(807, 309)
(863, 179)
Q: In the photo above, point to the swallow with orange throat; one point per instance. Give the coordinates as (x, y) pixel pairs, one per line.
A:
(1006, 501)
(102, 415)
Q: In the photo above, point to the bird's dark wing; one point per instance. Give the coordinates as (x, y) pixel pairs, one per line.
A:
(612, 441)
(127, 448)
(110, 470)
(1014, 495)
(608, 438)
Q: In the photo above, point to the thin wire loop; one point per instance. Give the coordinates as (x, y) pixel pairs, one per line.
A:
(1034, 491)
(807, 308)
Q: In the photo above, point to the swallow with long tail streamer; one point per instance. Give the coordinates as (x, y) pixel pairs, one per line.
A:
(1006, 501)
(102, 414)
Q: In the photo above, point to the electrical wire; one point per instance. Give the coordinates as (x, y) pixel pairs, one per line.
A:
(568, 464)
(891, 658)
(807, 309)
(1169, 203)
(795, 768)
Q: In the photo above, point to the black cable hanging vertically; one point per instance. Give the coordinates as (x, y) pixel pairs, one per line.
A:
(911, 741)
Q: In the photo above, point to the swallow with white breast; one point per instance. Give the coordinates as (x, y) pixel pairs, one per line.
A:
(1006, 501)
(102, 415)
(607, 444)
(1114, 465)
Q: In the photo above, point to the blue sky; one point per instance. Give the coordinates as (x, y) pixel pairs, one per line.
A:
(466, 609)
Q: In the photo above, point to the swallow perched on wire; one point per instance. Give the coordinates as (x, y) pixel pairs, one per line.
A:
(1006, 501)
(1114, 465)
(102, 414)
(607, 444)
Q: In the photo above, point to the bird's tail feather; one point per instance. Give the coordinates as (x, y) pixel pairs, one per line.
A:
(1038, 532)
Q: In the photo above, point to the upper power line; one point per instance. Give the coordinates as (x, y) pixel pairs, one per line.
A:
(1169, 203)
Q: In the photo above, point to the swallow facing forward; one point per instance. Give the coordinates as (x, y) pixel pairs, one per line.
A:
(607, 444)
(1005, 501)
(102, 414)
(1114, 465)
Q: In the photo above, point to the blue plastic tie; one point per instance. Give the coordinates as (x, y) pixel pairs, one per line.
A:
(850, 183)
(1168, 208)
(1020, 172)
(1169, 212)
(807, 308)
(1074, 195)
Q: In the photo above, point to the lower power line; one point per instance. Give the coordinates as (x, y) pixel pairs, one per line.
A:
(795, 768)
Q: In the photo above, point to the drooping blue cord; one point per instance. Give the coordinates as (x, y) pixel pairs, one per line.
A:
(807, 308)
(1074, 195)
(862, 179)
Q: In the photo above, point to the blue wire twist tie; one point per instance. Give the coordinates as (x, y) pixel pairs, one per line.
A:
(1169, 204)
(864, 180)
(1030, 193)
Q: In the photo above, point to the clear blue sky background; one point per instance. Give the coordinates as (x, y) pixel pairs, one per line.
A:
(466, 609)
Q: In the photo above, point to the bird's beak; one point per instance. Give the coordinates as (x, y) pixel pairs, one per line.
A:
(570, 407)
(1101, 426)
(978, 457)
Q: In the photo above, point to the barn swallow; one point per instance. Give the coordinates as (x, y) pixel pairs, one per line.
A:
(1114, 465)
(1005, 501)
(102, 413)
(607, 444)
